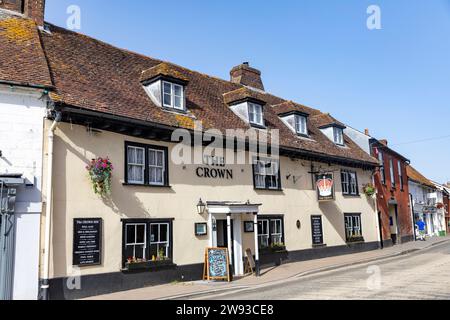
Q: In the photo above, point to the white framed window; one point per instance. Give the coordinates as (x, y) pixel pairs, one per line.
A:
(263, 233)
(338, 134)
(391, 170)
(382, 168)
(135, 241)
(349, 181)
(160, 241)
(400, 174)
(136, 164)
(146, 165)
(353, 226)
(266, 174)
(276, 227)
(156, 163)
(255, 114)
(173, 95)
(301, 125)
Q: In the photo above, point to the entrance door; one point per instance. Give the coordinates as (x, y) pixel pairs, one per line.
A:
(393, 223)
(7, 236)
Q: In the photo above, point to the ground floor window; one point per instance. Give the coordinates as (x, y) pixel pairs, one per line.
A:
(353, 227)
(270, 232)
(147, 240)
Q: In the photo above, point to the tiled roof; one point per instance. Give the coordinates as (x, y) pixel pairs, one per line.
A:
(325, 119)
(95, 76)
(416, 176)
(22, 59)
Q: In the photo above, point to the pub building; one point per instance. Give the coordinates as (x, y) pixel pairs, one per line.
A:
(152, 223)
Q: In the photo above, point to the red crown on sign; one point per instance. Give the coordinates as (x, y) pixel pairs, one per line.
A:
(325, 185)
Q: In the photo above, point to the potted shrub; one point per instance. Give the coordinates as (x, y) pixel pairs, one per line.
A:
(370, 190)
(100, 172)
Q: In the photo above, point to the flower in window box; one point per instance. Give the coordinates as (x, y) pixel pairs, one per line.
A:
(100, 172)
(277, 247)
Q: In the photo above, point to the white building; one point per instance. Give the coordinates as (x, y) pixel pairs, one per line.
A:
(21, 137)
(425, 198)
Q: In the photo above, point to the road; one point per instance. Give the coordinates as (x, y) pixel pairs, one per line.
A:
(424, 276)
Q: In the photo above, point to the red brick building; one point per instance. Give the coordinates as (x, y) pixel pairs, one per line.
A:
(393, 201)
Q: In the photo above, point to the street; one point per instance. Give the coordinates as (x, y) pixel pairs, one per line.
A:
(424, 276)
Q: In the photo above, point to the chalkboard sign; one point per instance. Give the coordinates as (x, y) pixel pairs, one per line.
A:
(317, 230)
(87, 238)
(217, 264)
(251, 264)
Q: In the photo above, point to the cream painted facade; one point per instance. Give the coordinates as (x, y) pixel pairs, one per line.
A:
(73, 198)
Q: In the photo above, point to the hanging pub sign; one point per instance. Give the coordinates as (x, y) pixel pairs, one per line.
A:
(87, 238)
(325, 186)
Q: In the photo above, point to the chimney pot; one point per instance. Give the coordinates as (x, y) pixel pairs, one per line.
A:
(384, 141)
(366, 131)
(245, 75)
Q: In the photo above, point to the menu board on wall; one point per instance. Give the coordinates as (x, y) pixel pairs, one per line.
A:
(87, 239)
(317, 230)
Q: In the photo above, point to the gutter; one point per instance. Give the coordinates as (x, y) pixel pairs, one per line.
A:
(45, 285)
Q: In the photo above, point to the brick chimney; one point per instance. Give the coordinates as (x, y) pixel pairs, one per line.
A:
(366, 132)
(33, 9)
(247, 76)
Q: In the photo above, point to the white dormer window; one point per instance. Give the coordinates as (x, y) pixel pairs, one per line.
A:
(255, 114)
(173, 95)
(301, 125)
(338, 134)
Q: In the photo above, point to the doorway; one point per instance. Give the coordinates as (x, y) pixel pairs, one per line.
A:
(222, 233)
(393, 222)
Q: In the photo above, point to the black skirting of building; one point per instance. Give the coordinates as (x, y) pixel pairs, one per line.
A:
(100, 284)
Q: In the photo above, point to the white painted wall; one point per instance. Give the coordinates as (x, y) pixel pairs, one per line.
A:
(21, 138)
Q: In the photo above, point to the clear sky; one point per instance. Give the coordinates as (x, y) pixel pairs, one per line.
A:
(394, 81)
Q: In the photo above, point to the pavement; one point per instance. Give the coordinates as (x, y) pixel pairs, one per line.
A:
(283, 274)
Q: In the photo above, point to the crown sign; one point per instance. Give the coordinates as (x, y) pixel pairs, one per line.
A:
(325, 186)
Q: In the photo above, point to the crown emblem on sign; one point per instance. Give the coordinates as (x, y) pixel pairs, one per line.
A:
(325, 186)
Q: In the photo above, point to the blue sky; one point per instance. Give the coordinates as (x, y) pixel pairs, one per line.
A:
(394, 81)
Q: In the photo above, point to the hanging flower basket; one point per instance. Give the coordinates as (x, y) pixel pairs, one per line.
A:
(370, 190)
(440, 205)
(100, 172)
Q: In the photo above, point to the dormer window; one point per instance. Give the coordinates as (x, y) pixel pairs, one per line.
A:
(255, 114)
(338, 134)
(301, 125)
(173, 95)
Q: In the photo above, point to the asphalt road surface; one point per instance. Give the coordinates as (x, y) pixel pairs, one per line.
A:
(424, 276)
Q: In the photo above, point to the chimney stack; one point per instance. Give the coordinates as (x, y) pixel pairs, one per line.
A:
(366, 132)
(33, 9)
(384, 141)
(247, 76)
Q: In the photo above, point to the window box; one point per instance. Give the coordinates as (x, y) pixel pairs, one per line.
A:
(277, 247)
(355, 239)
(147, 265)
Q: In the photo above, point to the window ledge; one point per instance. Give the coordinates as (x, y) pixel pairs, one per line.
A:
(318, 246)
(267, 189)
(351, 195)
(258, 126)
(145, 185)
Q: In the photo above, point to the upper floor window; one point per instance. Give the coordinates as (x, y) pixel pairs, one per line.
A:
(382, 169)
(391, 170)
(301, 125)
(349, 183)
(400, 174)
(338, 134)
(173, 95)
(266, 174)
(146, 165)
(255, 114)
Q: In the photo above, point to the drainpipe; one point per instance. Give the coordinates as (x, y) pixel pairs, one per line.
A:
(48, 209)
